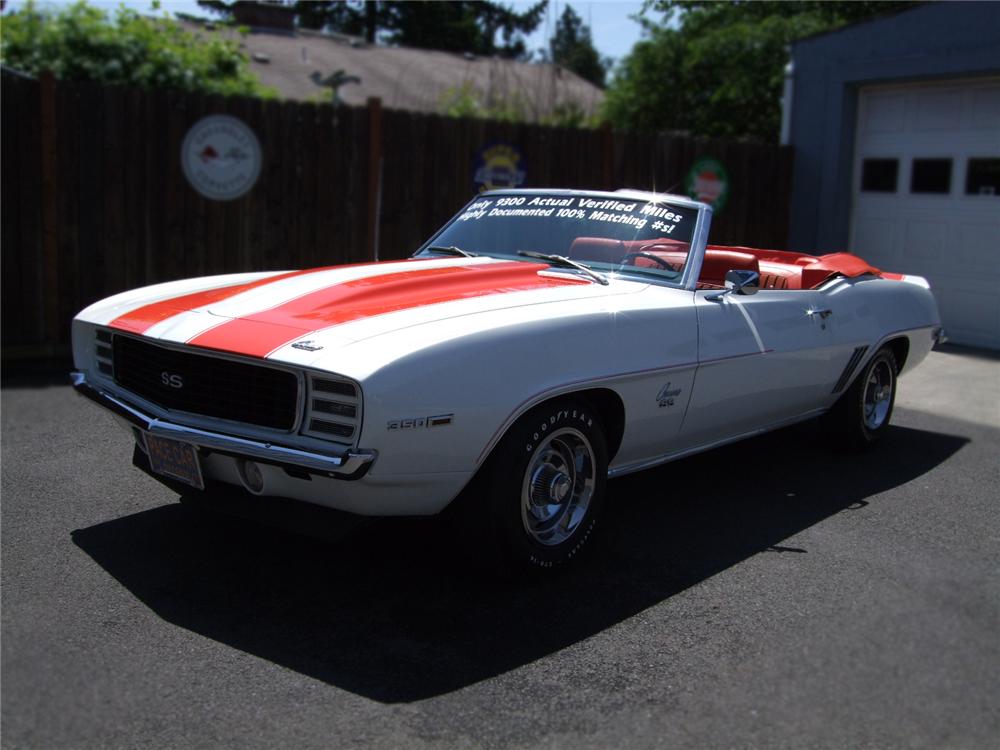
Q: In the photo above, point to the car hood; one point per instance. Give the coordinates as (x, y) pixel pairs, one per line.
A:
(290, 316)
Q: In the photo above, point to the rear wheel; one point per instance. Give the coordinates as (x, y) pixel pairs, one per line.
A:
(546, 484)
(861, 417)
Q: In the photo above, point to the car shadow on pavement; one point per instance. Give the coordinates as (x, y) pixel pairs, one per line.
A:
(389, 612)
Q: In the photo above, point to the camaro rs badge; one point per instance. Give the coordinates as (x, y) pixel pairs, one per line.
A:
(666, 396)
(308, 346)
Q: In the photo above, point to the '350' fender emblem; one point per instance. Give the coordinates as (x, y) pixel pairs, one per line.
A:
(408, 424)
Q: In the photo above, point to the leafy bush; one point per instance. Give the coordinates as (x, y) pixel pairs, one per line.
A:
(81, 43)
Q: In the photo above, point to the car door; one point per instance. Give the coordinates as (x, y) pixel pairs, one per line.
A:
(762, 359)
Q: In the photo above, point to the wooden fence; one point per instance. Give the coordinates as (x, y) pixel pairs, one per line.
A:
(94, 199)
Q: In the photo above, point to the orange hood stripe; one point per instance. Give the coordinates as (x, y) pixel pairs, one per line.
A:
(261, 333)
(143, 318)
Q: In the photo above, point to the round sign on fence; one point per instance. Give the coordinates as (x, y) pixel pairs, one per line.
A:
(498, 166)
(221, 157)
(708, 182)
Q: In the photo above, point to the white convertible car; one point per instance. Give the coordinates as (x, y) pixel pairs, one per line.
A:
(541, 342)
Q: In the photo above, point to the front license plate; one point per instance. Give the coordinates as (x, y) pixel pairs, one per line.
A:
(175, 460)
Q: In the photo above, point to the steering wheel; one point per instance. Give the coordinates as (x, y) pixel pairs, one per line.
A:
(648, 256)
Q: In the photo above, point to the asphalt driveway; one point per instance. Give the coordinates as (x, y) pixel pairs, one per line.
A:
(768, 594)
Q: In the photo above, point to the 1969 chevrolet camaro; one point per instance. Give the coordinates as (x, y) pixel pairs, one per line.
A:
(541, 342)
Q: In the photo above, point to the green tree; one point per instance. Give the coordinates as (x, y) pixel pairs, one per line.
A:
(481, 27)
(573, 48)
(81, 43)
(719, 71)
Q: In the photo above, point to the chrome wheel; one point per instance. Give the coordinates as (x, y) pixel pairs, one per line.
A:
(878, 394)
(558, 486)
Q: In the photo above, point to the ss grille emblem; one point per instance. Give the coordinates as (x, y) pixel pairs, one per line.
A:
(174, 381)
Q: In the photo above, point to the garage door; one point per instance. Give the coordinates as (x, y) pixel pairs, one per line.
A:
(926, 195)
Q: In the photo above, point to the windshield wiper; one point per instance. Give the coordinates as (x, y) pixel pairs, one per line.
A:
(451, 250)
(562, 260)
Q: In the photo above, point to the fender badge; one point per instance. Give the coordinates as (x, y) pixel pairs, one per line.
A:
(308, 346)
(440, 420)
(666, 396)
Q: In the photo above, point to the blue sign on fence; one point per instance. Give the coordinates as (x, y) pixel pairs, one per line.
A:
(498, 165)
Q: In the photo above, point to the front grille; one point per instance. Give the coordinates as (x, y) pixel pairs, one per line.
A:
(207, 385)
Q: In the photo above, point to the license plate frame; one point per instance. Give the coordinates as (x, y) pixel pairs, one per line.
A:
(174, 459)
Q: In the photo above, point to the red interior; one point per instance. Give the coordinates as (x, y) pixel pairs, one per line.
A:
(778, 269)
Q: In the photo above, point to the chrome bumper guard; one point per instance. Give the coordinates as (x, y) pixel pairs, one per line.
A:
(348, 465)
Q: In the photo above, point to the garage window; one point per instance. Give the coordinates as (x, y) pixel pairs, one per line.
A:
(879, 175)
(931, 176)
(983, 177)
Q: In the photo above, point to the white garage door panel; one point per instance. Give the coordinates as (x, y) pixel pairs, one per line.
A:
(977, 250)
(952, 239)
(978, 312)
(877, 237)
(925, 241)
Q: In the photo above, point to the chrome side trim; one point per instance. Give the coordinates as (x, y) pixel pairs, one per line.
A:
(352, 464)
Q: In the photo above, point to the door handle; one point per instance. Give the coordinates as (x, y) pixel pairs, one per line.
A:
(823, 314)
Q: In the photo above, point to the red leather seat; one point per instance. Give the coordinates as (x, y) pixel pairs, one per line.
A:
(718, 262)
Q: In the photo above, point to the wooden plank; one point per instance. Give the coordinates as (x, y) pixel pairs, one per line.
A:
(68, 174)
(253, 219)
(274, 252)
(356, 199)
(329, 248)
(215, 217)
(50, 218)
(115, 166)
(132, 175)
(290, 182)
(374, 174)
(15, 120)
(305, 144)
(157, 145)
(90, 270)
(176, 264)
(232, 210)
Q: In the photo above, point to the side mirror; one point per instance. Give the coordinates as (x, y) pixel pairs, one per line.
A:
(737, 282)
(742, 282)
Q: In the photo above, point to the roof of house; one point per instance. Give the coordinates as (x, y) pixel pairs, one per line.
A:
(406, 78)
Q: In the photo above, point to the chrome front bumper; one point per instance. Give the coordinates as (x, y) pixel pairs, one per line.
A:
(347, 465)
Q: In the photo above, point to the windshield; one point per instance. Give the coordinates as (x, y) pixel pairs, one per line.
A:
(606, 234)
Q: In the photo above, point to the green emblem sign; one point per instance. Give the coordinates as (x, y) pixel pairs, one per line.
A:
(708, 182)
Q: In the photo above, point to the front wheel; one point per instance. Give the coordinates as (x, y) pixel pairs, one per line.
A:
(546, 485)
(861, 417)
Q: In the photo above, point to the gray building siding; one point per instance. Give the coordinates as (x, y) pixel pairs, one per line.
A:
(935, 41)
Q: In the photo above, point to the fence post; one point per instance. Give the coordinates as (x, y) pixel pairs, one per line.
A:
(50, 206)
(608, 140)
(374, 174)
